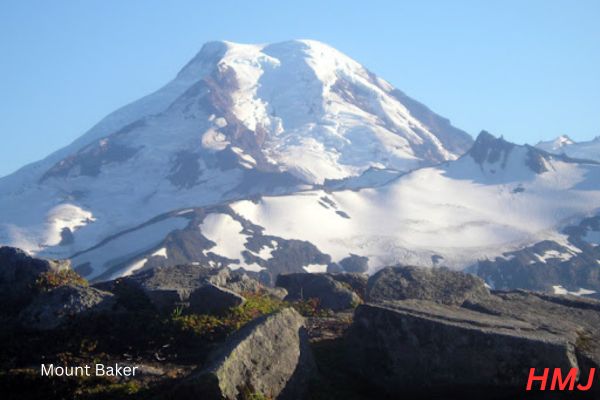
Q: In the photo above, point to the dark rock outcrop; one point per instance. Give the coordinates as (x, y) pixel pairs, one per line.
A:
(412, 344)
(18, 275)
(214, 300)
(269, 357)
(356, 281)
(439, 285)
(332, 293)
(165, 287)
(354, 263)
(442, 331)
(55, 307)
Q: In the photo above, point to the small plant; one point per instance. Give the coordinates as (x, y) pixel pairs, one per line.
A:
(177, 312)
(311, 308)
(205, 326)
(255, 306)
(248, 393)
(53, 279)
(215, 327)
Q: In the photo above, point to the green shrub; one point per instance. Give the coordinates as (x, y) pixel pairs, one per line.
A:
(53, 279)
(215, 327)
(255, 306)
(205, 326)
(311, 308)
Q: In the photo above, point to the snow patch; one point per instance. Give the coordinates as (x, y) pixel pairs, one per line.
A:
(315, 268)
(226, 232)
(162, 252)
(135, 266)
(64, 216)
(558, 289)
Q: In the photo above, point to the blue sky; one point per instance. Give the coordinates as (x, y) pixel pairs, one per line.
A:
(528, 70)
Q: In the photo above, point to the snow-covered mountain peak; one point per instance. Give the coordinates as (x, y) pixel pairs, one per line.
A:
(555, 144)
(498, 160)
(587, 150)
(238, 120)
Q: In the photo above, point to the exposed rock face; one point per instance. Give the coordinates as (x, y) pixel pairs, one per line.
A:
(332, 294)
(414, 343)
(165, 287)
(575, 319)
(168, 287)
(212, 299)
(18, 274)
(438, 329)
(357, 281)
(270, 357)
(51, 309)
(354, 263)
(436, 284)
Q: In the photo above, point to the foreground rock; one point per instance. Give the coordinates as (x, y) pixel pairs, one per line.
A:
(332, 294)
(215, 300)
(51, 309)
(270, 357)
(420, 336)
(18, 275)
(436, 284)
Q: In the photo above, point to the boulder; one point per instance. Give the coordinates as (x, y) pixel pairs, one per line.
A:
(463, 340)
(18, 275)
(169, 287)
(332, 293)
(269, 357)
(409, 345)
(51, 309)
(165, 287)
(354, 263)
(574, 318)
(356, 281)
(214, 300)
(440, 285)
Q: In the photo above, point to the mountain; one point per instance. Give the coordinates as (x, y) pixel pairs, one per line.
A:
(589, 150)
(497, 198)
(237, 122)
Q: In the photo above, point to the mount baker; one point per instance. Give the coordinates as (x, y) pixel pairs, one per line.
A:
(294, 157)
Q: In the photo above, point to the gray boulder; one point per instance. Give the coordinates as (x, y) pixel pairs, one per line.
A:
(461, 337)
(354, 263)
(214, 300)
(269, 357)
(166, 287)
(169, 287)
(414, 344)
(355, 281)
(51, 309)
(440, 285)
(18, 274)
(332, 293)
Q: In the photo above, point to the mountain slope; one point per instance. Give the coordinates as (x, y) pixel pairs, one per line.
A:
(499, 202)
(237, 121)
(497, 198)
